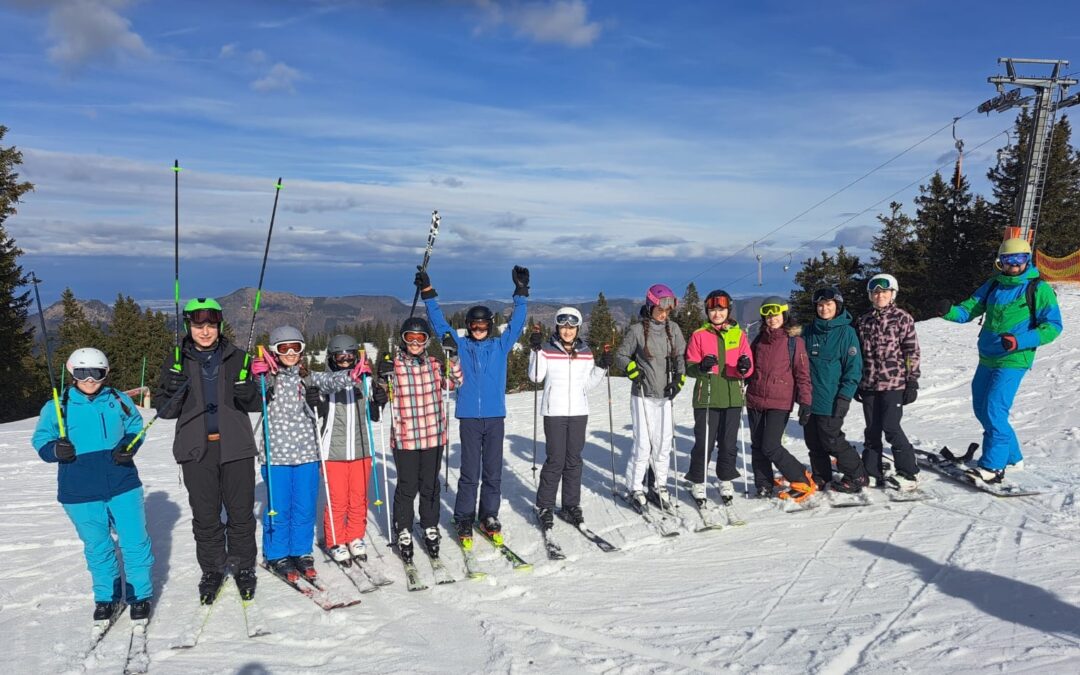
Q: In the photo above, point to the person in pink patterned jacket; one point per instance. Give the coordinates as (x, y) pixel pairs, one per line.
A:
(890, 381)
(418, 433)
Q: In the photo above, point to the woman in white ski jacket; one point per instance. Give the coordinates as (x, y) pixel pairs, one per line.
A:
(565, 365)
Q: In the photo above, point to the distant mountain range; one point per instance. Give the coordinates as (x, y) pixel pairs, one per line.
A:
(328, 314)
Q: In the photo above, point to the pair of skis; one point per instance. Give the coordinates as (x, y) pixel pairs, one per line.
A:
(314, 590)
(554, 549)
(254, 625)
(946, 463)
(439, 570)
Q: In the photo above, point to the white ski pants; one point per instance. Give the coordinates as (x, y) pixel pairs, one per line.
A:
(652, 440)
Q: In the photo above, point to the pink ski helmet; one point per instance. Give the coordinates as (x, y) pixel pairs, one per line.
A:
(659, 294)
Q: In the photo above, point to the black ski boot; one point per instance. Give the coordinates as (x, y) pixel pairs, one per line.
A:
(546, 518)
(431, 541)
(103, 611)
(140, 610)
(245, 583)
(573, 515)
(493, 529)
(305, 565)
(405, 546)
(848, 484)
(464, 529)
(285, 568)
(209, 585)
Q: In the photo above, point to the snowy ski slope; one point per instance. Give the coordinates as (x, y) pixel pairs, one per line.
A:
(963, 583)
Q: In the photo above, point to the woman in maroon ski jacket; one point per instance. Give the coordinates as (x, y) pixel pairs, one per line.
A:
(781, 378)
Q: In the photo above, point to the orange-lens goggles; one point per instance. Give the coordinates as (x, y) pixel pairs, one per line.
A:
(289, 348)
(415, 338)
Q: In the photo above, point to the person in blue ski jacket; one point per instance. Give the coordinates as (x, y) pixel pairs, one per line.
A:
(481, 402)
(98, 484)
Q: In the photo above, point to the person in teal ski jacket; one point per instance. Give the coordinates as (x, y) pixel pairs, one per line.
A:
(1021, 313)
(98, 484)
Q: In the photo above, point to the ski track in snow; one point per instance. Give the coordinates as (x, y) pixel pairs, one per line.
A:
(961, 583)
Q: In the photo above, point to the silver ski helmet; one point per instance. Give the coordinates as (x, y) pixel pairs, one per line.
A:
(287, 337)
(341, 344)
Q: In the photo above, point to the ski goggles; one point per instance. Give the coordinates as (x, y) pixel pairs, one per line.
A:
(718, 302)
(1015, 259)
(91, 374)
(772, 309)
(346, 357)
(199, 316)
(567, 320)
(283, 348)
(666, 302)
(416, 338)
(826, 294)
(480, 324)
(879, 285)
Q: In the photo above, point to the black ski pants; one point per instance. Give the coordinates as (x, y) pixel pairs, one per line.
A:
(767, 448)
(723, 434)
(564, 439)
(883, 410)
(417, 471)
(211, 486)
(825, 438)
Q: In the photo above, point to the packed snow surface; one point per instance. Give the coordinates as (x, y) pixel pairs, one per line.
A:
(962, 583)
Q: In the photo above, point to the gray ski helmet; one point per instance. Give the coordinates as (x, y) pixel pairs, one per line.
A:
(342, 343)
(774, 300)
(283, 334)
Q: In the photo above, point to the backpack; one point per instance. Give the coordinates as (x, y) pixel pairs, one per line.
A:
(1029, 296)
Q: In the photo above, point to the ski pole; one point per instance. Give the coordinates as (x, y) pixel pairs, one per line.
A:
(371, 435)
(706, 444)
(674, 459)
(450, 347)
(536, 369)
(258, 291)
(146, 427)
(266, 443)
(746, 472)
(611, 429)
(382, 446)
(326, 482)
(48, 359)
(142, 380)
(422, 267)
(176, 261)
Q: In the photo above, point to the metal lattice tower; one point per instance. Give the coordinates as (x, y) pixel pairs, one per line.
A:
(1050, 92)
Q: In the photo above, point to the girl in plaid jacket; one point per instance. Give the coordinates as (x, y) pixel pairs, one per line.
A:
(419, 431)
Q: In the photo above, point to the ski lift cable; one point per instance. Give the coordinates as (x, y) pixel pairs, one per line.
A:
(824, 234)
(837, 192)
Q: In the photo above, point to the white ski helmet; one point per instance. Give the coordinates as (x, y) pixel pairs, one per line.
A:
(568, 316)
(87, 357)
(285, 334)
(886, 281)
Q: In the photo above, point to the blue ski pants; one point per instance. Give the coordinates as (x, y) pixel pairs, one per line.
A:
(481, 465)
(294, 496)
(125, 514)
(992, 394)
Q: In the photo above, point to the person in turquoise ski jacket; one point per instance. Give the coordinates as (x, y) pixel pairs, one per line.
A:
(1012, 329)
(835, 368)
(481, 402)
(98, 484)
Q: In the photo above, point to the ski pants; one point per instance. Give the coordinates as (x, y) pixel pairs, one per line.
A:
(723, 428)
(564, 439)
(294, 494)
(653, 440)
(767, 448)
(992, 394)
(883, 410)
(824, 438)
(417, 472)
(125, 514)
(211, 486)
(481, 466)
(345, 516)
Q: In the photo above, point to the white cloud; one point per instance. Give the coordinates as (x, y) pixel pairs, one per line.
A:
(280, 78)
(562, 22)
(87, 31)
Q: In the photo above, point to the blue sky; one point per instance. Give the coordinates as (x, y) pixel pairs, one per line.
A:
(607, 145)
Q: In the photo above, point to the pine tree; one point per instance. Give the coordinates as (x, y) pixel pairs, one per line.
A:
(76, 331)
(134, 335)
(899, 253)
(844, 272)
(602, 327)
(21, 373)
(689, 315)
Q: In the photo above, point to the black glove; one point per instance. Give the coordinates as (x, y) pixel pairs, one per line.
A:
(379, 395)
(605, 360)
(911, 392)
(520, 275)
(245, 391)
(804, 415)
(673, 388)
(121, 456)
(313, 397)
(742, 366)
(942, 307)
(423, 284)
(707, 362)
(535, 340)
(448, 344)
(858, 395)
(840, 408)
(64, 450)
(386, 368)
(175, 380)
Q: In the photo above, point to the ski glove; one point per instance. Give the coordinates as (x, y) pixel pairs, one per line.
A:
(911, 392)
(604, 361)
(673, 388)
(742, 366)
(858, 395)
(64, 450)
(448, 343)
(423, 284)
(313, 397)
(942, 308)
(535, 340)
(708, 362)
(121, 456)
(379, 395)
(244, 391)
(632, 371)
(804, 415)
(520, 275)
(1008, 342)
(175, 380)
(840, 408)
(359, 370)
(264, 365)
(386, 368)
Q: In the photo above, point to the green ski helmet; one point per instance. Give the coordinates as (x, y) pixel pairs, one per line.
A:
(202, 310)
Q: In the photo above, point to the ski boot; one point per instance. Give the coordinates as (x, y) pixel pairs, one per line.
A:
(664, 499)
(140, 610)
(245, 583)
(209, 585)
(405, 547)
(546, 518)
(697, 492)
(727, 492)
(358, 549)
(799, 491)
(902, 482)
(104, 611)
(432, 538)
(573, 515)
(493, 529)
(340, 554)
(305, 565)
(285, 568)
(464, 533)
(765, 492)
(987, 475)
(848, 484)
(638, 501)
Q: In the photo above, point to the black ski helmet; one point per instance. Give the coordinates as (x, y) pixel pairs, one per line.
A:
(719, 294)
(829, 293)
(414, 324)
(479, 313)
